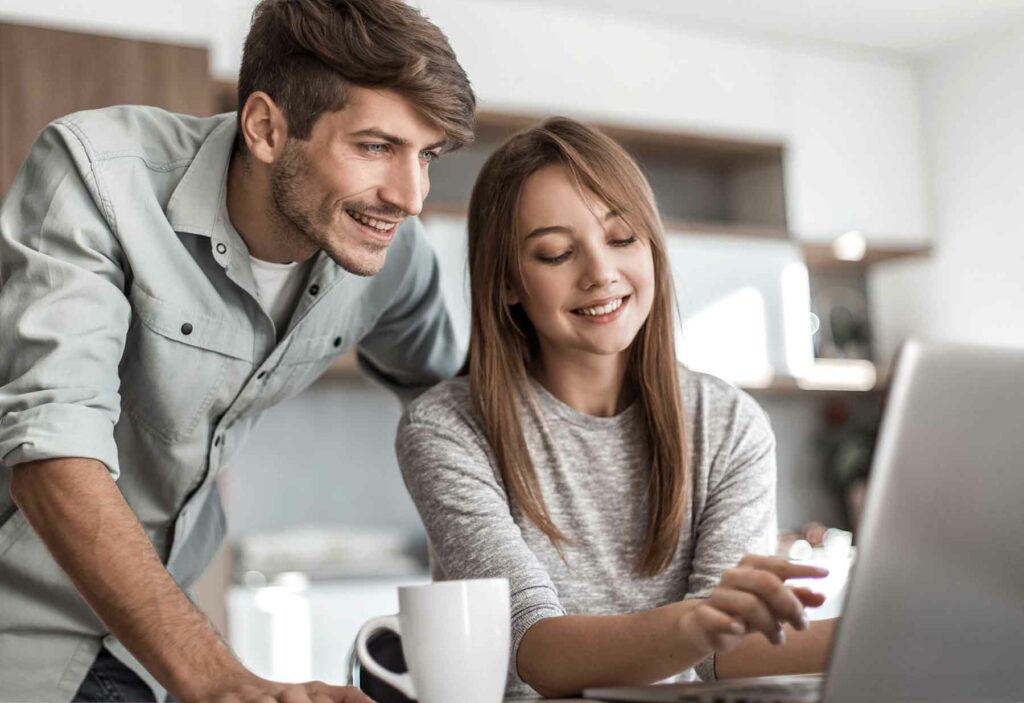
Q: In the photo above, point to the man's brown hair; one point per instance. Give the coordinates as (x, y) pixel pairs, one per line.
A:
(303, 54)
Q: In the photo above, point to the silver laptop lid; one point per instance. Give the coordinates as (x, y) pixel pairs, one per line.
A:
(935, 608)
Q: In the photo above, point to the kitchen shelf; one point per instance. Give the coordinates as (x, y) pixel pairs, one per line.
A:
(346, 367)
(818, 256)
(709, 147)
(821, 257)
(789, 386)
(673, 226)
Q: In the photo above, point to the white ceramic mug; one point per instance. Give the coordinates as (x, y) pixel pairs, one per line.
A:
(455, 636)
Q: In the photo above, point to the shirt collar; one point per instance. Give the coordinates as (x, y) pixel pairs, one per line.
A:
(199, 206)
(196, 203)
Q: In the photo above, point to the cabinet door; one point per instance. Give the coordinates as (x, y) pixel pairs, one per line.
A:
(854, 160)
(46, 73)
(544, 59)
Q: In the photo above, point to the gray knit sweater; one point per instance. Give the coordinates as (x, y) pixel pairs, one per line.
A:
(593, 473)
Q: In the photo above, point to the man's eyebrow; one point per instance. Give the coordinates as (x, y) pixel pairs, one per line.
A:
(566, 229)
(378, 133)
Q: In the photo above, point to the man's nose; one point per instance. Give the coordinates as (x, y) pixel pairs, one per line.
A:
(406, 186)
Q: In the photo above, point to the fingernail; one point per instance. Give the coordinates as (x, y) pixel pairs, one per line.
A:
(737, 628)
(804, 622)
(780, 637)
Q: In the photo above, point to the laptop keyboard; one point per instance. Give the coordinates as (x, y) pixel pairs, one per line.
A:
(798, 690)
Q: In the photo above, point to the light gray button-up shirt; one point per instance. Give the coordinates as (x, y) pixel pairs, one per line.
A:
(130, 333)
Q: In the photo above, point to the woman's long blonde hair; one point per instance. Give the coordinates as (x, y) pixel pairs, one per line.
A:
(503, 342)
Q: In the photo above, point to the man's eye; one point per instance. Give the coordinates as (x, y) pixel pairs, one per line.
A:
(429, 156)
(375, 148)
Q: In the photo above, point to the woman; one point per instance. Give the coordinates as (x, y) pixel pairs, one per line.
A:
(616, 490)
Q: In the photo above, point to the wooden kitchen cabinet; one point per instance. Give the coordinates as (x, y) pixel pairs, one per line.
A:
(46, 73)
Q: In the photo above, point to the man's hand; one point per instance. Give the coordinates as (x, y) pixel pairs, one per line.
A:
(78, 511)
(753, 597)
(256, 690)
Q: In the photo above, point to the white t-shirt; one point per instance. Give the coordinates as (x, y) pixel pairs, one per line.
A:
(278, 287)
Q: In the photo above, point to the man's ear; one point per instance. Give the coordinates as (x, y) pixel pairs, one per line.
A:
(264, 127)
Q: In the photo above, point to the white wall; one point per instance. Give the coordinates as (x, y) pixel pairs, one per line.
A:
(972, 288)
(614, 67)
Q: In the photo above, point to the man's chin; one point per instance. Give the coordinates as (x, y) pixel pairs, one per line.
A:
(360, 264)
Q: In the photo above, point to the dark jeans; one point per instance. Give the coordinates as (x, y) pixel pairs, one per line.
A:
(110, 680)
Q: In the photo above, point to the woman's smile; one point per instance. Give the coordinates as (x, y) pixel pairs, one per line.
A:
(602, 312)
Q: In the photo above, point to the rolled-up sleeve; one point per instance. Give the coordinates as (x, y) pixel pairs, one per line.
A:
(63, 313)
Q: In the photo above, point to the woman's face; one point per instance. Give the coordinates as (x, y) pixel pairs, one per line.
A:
(588, 281)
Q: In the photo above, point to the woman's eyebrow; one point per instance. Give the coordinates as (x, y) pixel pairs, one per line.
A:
(552, 229)
(566, 229)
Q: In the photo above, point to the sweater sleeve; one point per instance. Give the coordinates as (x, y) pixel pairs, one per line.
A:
(739, 516)
(466, 513)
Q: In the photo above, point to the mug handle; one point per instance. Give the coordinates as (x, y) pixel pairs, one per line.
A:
(385, 622)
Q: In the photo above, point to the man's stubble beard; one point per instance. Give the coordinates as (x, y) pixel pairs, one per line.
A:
(300, 221)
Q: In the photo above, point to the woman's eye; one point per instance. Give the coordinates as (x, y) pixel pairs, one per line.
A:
(557, 259)
(625, 242)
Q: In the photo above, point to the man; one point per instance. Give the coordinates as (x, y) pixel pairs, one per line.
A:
(163, 280)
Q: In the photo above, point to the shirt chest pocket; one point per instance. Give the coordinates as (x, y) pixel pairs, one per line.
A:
(180, 365)
(307, 358)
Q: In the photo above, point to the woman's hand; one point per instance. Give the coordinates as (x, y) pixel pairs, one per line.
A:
(753, 597)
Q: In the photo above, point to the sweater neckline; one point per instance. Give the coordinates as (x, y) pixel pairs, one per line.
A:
(551, 404)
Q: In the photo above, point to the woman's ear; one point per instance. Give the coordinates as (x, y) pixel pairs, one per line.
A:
(508, 295)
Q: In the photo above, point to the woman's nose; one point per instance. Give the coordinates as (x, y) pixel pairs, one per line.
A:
(599, 271)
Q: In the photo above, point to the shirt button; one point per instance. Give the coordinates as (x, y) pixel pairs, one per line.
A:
(216, 441)
(261, 375)
(221, 248)
(314, 289)
(337, 341)
(186, 329)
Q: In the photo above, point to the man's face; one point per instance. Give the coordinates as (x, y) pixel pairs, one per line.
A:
(363, 171)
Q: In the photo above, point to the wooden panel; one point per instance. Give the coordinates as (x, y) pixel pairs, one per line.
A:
(47, 73)
(717, 149)
(822, 258)
(5, 68)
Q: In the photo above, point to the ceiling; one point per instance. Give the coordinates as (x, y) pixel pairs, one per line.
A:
(914, 27)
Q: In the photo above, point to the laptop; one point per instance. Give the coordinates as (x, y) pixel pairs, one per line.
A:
(934, 610)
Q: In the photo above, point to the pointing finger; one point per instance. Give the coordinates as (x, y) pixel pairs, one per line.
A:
(783, 568)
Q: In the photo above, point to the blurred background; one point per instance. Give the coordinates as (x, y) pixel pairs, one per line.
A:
(835, 177)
